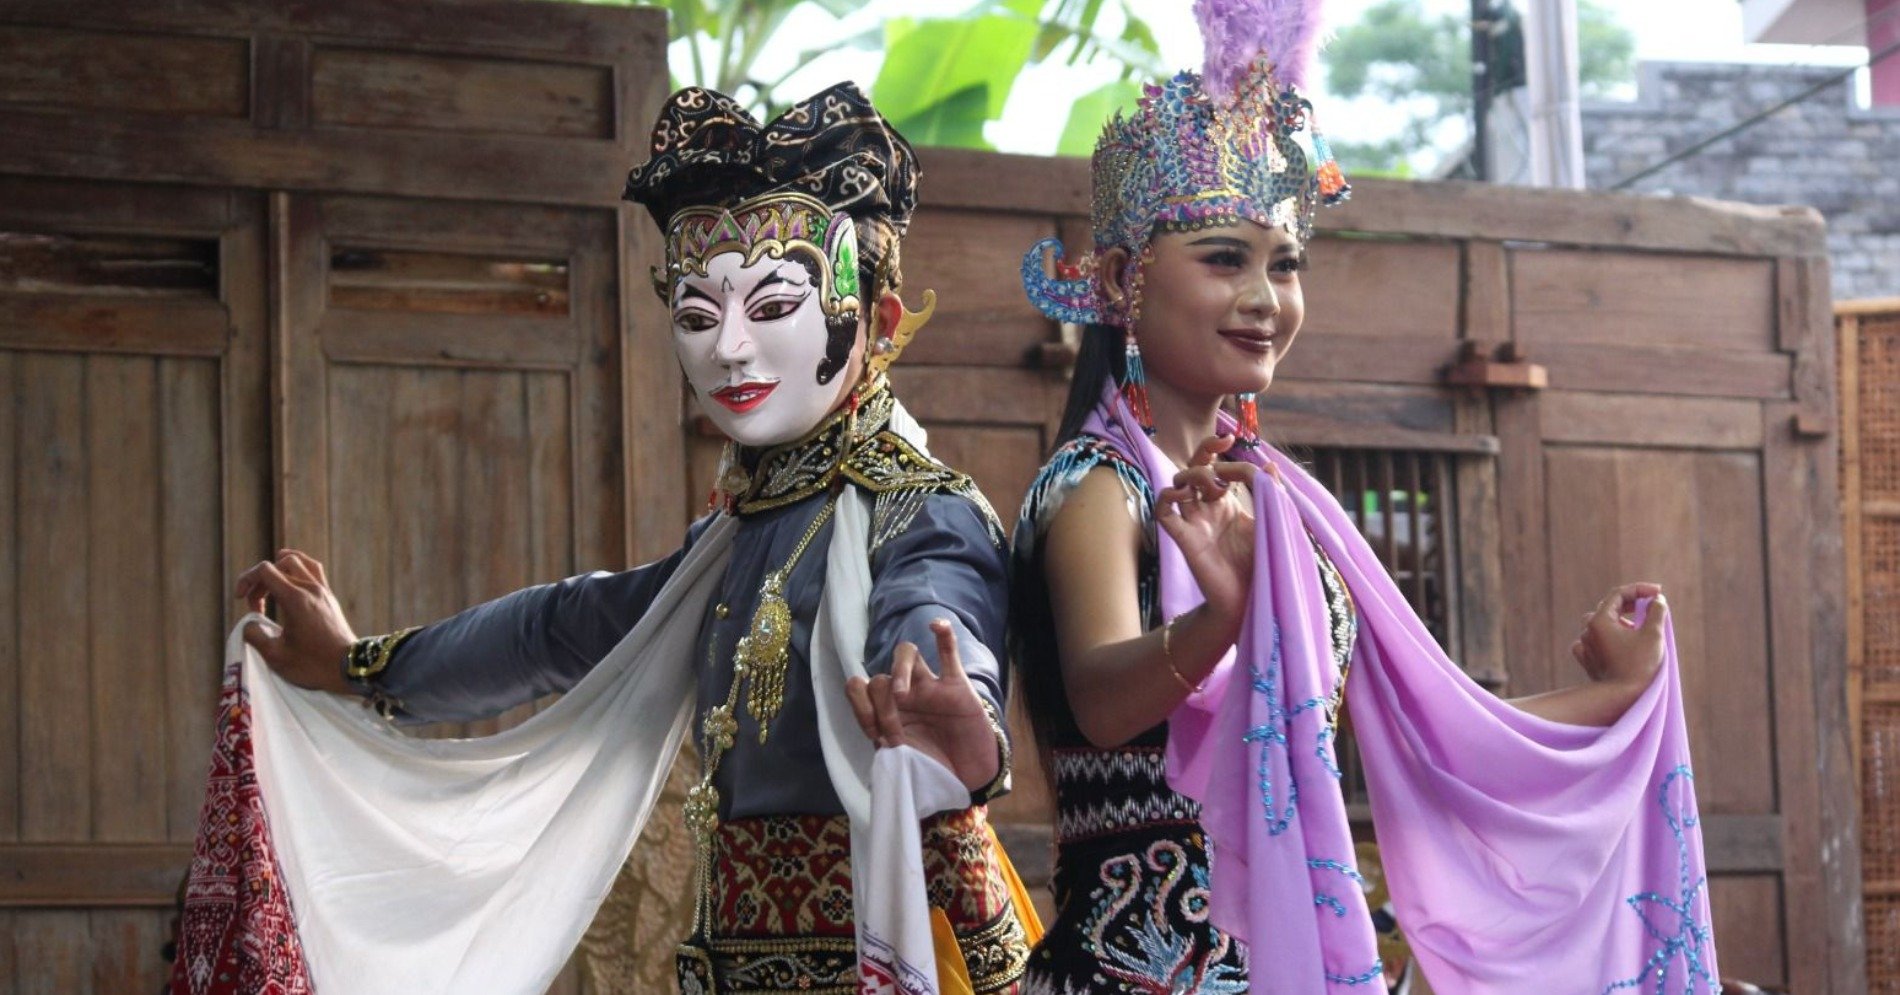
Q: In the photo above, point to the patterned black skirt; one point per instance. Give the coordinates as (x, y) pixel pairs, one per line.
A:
(1131, 917)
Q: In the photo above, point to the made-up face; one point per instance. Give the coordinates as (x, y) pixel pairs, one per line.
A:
(752, 340)
(1220, 307)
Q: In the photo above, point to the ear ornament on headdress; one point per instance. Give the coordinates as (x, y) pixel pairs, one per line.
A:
(888, 344)
(1069, 295)
(1333, 188)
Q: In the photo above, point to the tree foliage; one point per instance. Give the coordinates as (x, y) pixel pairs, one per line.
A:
(943, 79)
(1399, 55)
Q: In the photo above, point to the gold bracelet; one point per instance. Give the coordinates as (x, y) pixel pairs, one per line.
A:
(1167, 656)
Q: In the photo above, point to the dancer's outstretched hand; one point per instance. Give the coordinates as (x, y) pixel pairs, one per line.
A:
(940, 714)
(1612, 648)
(1208, 512)
(312, 635)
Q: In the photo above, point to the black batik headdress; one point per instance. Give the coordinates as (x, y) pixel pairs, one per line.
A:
(829, 180)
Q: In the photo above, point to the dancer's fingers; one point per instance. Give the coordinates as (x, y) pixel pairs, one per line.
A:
(857, 691)
(904, 660)
(1210, 450)
(949, 660)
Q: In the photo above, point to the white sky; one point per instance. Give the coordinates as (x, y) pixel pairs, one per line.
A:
(1698, 30)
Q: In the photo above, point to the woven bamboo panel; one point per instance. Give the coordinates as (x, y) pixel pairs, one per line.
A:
(1880, 408)
(1880, 799)
(1880, 612)
(1883, 946)
(1873, 514)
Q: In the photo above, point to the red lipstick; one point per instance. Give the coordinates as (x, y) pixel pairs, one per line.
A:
(1249, 339)
(743, 397)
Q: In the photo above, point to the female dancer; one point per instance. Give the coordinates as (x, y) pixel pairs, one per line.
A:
(1185, 680)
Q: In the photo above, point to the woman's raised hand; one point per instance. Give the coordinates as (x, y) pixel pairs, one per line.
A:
(311, 636)
(1208, 512)
(1612, 647)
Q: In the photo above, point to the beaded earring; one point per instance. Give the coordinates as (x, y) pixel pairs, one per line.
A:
(1247, 432)
(1134, 384)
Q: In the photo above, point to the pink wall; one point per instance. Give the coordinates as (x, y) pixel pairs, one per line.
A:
(1883, 29)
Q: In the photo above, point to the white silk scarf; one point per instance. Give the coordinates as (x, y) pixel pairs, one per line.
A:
(475, 865)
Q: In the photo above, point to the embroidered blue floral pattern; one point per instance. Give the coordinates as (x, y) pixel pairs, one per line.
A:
(1671, 922)
(1276, 734)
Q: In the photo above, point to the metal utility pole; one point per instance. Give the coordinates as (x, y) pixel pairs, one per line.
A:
(1480, 88)
(1556, 120)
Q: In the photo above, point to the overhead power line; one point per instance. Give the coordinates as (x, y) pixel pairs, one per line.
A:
(1752, 120)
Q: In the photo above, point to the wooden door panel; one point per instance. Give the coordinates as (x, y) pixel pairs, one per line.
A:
(454, 420)
(453, 385)
(131, 339)
(449, 488)
(1418, 409)
(1410, 276)
(194, 375)
(1625, 420)
(55, 767)
(1637, 299)
(973, 261)
(373, 88)
(1691, 522)
(1710, 497)
(95, 71)
(118, 550)
(1747, 910)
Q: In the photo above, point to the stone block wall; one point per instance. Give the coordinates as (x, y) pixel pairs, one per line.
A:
(1824, 152)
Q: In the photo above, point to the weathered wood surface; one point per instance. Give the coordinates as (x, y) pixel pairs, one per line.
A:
(1455, 210)
(197, 374)
(271, 96)
(429, 351)
(136, 473)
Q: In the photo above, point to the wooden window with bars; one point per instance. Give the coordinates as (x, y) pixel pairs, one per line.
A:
(1402, 501)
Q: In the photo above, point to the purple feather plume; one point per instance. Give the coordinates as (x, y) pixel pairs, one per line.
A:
(1236, 32)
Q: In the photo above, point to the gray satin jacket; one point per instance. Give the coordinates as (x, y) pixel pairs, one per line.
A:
(936, 554)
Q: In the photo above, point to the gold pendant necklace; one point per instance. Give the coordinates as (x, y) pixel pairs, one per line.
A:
(759, 662)
(765, 650)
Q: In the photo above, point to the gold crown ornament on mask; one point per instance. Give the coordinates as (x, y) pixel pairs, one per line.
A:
(779, 225)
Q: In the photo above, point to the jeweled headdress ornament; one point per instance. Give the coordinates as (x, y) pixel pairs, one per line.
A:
(829, 180)
(1200, 151)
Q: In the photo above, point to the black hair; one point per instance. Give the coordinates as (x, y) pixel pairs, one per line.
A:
(1100, 359)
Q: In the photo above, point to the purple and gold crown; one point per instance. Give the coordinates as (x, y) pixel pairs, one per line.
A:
(1202, 150)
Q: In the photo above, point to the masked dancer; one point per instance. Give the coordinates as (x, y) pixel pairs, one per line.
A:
(846, 592)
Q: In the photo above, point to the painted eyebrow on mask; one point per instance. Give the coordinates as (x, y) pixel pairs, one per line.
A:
(769, 280)
(687, 290)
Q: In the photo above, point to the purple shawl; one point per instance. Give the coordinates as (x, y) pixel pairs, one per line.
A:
(1521, 854)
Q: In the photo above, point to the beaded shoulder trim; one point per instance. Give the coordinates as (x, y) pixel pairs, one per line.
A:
(1065, 469)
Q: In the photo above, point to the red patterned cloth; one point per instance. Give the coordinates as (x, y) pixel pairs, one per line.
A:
(782, 914)
(236, 935)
